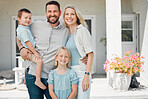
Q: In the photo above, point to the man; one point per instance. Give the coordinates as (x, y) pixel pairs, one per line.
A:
(49, 36)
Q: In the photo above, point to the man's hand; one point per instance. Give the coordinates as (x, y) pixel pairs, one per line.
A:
(84, 60)
(24, 53)
(37, 56)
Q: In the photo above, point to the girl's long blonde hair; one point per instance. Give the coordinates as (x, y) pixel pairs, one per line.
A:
(59, 50)
(80, 19)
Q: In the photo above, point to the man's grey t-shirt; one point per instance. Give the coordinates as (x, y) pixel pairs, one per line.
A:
(48, 40)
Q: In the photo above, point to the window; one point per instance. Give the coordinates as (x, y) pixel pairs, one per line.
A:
(127, 31)
(88, 21)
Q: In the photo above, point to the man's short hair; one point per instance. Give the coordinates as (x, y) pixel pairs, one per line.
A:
(21, 11)
(52, 3)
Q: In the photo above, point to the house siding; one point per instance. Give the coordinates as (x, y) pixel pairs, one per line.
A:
(86, 7)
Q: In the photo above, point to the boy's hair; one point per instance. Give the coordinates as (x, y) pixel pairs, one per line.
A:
(59, 50)
(52, 3)
(21, 11)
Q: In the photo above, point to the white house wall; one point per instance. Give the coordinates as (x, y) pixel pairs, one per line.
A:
(140, 7)
(87, 7)
(126, 7)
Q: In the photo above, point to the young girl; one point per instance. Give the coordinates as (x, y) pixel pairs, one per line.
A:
(79, 44)
(62, 81)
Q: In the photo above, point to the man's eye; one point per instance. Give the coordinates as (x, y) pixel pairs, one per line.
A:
(55, 11)
(49, 11)
(66, 14)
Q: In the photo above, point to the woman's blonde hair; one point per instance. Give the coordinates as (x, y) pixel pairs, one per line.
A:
(59, 50)
(80, 19)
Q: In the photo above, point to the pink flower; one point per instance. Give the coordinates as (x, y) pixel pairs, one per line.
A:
(107, 62)
(125, 57)
(129, 64)
(136, 69)
(106, 67)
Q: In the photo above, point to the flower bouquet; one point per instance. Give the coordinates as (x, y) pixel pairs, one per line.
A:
(129, 64)
(122, 70)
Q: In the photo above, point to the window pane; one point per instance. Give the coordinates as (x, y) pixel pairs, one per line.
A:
(127, 35)
(88, 21)
(17, 49)
(127, 24)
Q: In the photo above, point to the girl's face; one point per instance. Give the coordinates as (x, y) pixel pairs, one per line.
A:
(70, 16)
(63, 58)
(25, 19)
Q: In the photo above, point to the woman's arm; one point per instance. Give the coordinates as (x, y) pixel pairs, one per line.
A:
(85, 83)
(51, 92)
(89, 61)
(74, 92)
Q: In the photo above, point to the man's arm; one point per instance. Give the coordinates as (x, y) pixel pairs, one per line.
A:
(23, 51)
(19, 44)
(32, 49)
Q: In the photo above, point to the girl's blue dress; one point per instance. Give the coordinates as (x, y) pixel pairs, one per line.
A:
(62, 83)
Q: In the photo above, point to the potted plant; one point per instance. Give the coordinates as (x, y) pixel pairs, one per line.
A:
(123, 69)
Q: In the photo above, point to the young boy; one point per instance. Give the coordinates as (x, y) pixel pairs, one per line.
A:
(25, 36)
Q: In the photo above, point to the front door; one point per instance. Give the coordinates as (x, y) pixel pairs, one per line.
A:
(129, 33)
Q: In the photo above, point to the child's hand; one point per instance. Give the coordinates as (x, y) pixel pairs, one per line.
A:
(37, 56)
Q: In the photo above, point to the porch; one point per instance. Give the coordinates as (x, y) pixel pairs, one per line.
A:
(99, 90)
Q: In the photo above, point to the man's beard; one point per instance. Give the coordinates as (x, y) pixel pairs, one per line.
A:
(54, 21)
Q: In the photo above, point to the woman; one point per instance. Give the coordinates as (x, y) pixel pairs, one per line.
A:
(79, 44)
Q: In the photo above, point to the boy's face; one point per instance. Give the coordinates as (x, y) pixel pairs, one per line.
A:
(25, 19)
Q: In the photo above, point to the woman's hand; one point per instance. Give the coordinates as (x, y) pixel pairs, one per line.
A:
(24, 53)
(85, 83)
(84, 60)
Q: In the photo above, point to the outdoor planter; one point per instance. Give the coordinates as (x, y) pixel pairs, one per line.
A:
(121, 81)
(119, 70)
